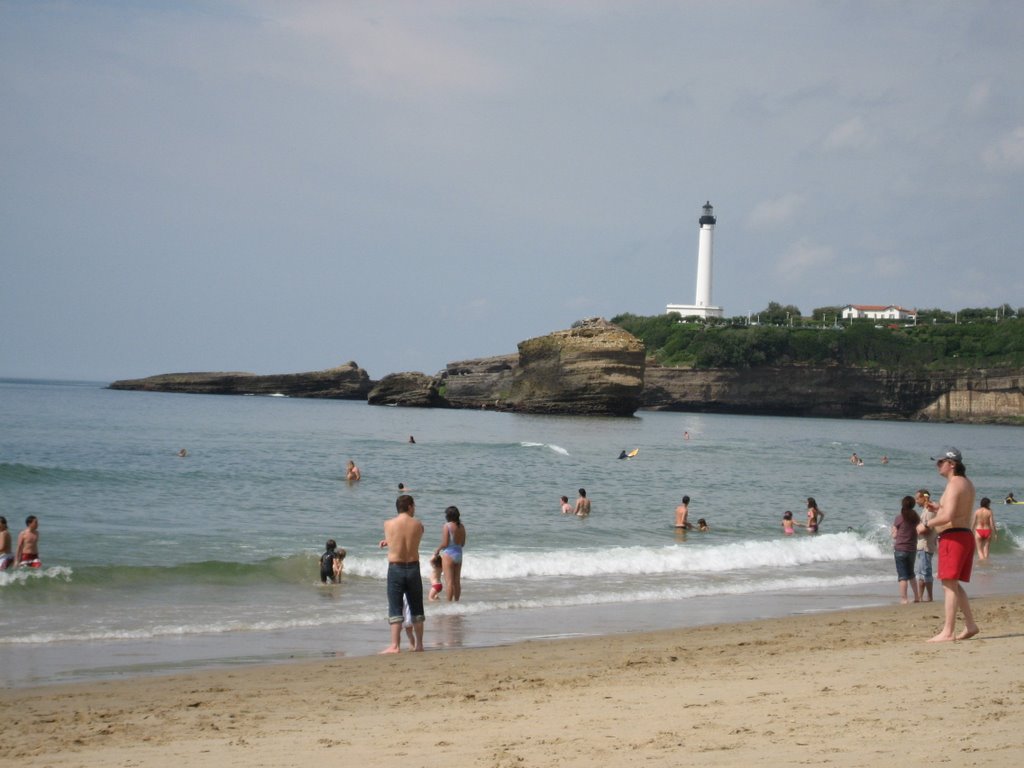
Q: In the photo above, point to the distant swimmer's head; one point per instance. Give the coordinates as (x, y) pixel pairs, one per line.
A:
(401, 487)
(787, 515)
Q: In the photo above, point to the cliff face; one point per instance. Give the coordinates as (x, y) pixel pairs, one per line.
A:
(594, 368)
(838, 392)
(346, 382)
(482, 383)
(410, 389)
(979, 396)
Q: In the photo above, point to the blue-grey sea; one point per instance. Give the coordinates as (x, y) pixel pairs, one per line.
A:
(154, 563)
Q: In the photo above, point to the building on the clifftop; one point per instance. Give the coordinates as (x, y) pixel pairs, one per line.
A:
(878, 312)
(702, 306)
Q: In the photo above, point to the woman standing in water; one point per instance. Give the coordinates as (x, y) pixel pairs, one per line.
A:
(453, 539)
(814, 515)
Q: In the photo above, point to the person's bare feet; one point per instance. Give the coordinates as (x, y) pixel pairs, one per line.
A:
(968, 633)
(942, 637)
(391, 649)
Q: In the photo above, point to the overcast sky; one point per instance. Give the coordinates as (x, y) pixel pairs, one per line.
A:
(284, 186)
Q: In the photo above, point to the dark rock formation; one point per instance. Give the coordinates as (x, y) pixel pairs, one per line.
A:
(413, 390)
(482, 383)
(592, 368)
(833, 391)
(346, 382)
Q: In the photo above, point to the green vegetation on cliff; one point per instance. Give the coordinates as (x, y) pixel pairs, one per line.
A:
(981, 342)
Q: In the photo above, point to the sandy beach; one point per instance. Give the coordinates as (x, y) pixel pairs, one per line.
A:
(851, 688)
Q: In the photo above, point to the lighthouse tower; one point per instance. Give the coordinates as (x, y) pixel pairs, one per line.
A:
(702, 306)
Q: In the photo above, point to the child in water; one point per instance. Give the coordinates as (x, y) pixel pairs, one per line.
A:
(702, 525)
(787, 523)
(435, 578)
(331, 563)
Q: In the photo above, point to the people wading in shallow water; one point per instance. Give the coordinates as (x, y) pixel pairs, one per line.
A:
(453, 539)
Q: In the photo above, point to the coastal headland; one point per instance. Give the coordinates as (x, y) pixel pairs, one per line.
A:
(596, 368)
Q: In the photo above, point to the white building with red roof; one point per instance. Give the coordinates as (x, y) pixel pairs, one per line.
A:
(878, 312)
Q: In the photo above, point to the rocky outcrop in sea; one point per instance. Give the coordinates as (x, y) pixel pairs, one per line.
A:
(346, 382)
(593, 368)
(596, 368)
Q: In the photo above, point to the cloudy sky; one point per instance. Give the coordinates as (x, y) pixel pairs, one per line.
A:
(285, 186)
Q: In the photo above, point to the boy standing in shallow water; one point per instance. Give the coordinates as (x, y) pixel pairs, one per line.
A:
(28, 544)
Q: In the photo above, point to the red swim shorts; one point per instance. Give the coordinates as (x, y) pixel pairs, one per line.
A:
(956, 554)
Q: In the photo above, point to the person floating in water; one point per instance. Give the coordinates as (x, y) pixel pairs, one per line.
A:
(623, 455)
(183, 453)
(566, 506)
(1010, 499)
(412, 439)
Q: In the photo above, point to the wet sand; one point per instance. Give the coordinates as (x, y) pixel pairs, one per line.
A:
(857, 687)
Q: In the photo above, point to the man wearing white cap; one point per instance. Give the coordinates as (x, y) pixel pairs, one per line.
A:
(956, 542)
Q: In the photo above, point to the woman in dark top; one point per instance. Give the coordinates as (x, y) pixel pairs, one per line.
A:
(904, 545)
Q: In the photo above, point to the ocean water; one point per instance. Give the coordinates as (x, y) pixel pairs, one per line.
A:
(154, 563)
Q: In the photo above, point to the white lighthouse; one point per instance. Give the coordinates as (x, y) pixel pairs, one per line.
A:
(702, 306)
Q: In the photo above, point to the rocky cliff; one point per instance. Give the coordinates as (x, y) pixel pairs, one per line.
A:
(346, 382)
(410, 389)
(831, 391)
(597, 368)
(592, 368)
(482, 383)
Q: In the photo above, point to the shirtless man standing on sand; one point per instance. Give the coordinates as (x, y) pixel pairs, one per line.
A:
(956, 543)
(402, 536)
